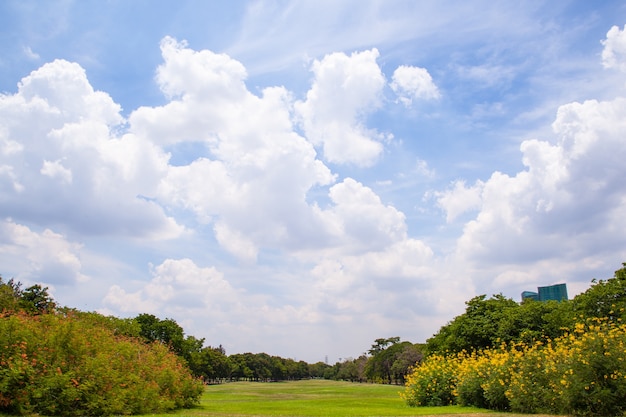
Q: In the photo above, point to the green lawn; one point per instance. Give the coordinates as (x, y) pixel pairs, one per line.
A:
(310, 398)
(314, 398)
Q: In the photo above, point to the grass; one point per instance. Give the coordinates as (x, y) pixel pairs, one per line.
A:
(315, 398)
(310, 398)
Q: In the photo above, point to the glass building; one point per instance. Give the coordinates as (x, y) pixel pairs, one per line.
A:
(556, 292)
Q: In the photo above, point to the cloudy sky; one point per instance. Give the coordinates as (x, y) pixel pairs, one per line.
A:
(302, 177)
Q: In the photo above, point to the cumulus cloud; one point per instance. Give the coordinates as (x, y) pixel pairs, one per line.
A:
(176, 284)
(40, 257)
(459, 199)
(360, 217)
(254, 183)
(413, 83)
(69, 168)
(566, 201)
(345, 88)
(614, 52)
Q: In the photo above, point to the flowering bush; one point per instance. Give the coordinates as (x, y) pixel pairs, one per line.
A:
(433, 382)
(57, 365)
(581, 373)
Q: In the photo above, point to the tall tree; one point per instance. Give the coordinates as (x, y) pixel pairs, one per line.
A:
(383, 354)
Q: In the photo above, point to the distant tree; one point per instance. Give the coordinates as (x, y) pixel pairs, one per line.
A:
(383, 354)
(211, 364)
(352, 370)
(318, 369)
(406, 357)
(240, 368)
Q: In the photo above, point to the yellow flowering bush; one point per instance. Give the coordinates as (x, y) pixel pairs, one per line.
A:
(432, 382)
(581, 373)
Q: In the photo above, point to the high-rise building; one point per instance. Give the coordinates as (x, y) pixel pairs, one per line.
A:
(556, 292)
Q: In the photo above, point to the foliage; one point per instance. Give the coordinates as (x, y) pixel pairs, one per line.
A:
(605, 298)
(432, 383)
(489, 322)
(57, 364)
(391, 360)
(34, 299)
(581, 373)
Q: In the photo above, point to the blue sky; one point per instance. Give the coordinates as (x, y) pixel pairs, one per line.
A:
(301, 178)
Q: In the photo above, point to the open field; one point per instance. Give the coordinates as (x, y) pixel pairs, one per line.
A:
(313, 398)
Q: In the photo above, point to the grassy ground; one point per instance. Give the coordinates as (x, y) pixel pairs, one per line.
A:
(310, 398)
(315, 398)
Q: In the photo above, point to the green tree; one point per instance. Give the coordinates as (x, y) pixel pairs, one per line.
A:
(10, 293)
(477, 328)
(605, 298)
(170, 334)
(35, 299)
(383, 354)
(407, 356)
(211, 363)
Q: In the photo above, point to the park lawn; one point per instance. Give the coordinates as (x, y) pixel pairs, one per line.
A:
(315, 398)
(310, 398)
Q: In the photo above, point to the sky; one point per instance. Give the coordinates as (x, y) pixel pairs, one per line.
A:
(301, 178)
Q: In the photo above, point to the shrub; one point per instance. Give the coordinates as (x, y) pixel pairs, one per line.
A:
(432, 382)
(55, 365)
(581, 373)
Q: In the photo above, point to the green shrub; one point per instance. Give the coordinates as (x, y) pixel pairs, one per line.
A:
(66, 365)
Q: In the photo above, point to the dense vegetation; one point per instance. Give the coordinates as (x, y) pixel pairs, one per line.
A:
(61, 361)
(533, 357)
(553, 357)
(56, 361)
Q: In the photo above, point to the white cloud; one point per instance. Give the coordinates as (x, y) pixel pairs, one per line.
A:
(255, 183)
(413, 83)
(362, 218)
(55, 169)
(30, 54)
(614, 52)
(344, 90)
(236, 243)
(69, 168)
(565, 204)
(39, 257)
(459, 199)
(176, 284)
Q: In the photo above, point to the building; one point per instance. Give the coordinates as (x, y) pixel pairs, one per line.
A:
(556, 292)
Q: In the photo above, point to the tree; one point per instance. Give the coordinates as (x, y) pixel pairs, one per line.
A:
(10, 293)
(407, 357)
(36, 300)
(211, 363)
(477, 328)
(170, 334)
(383, 354)
(605, 298)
